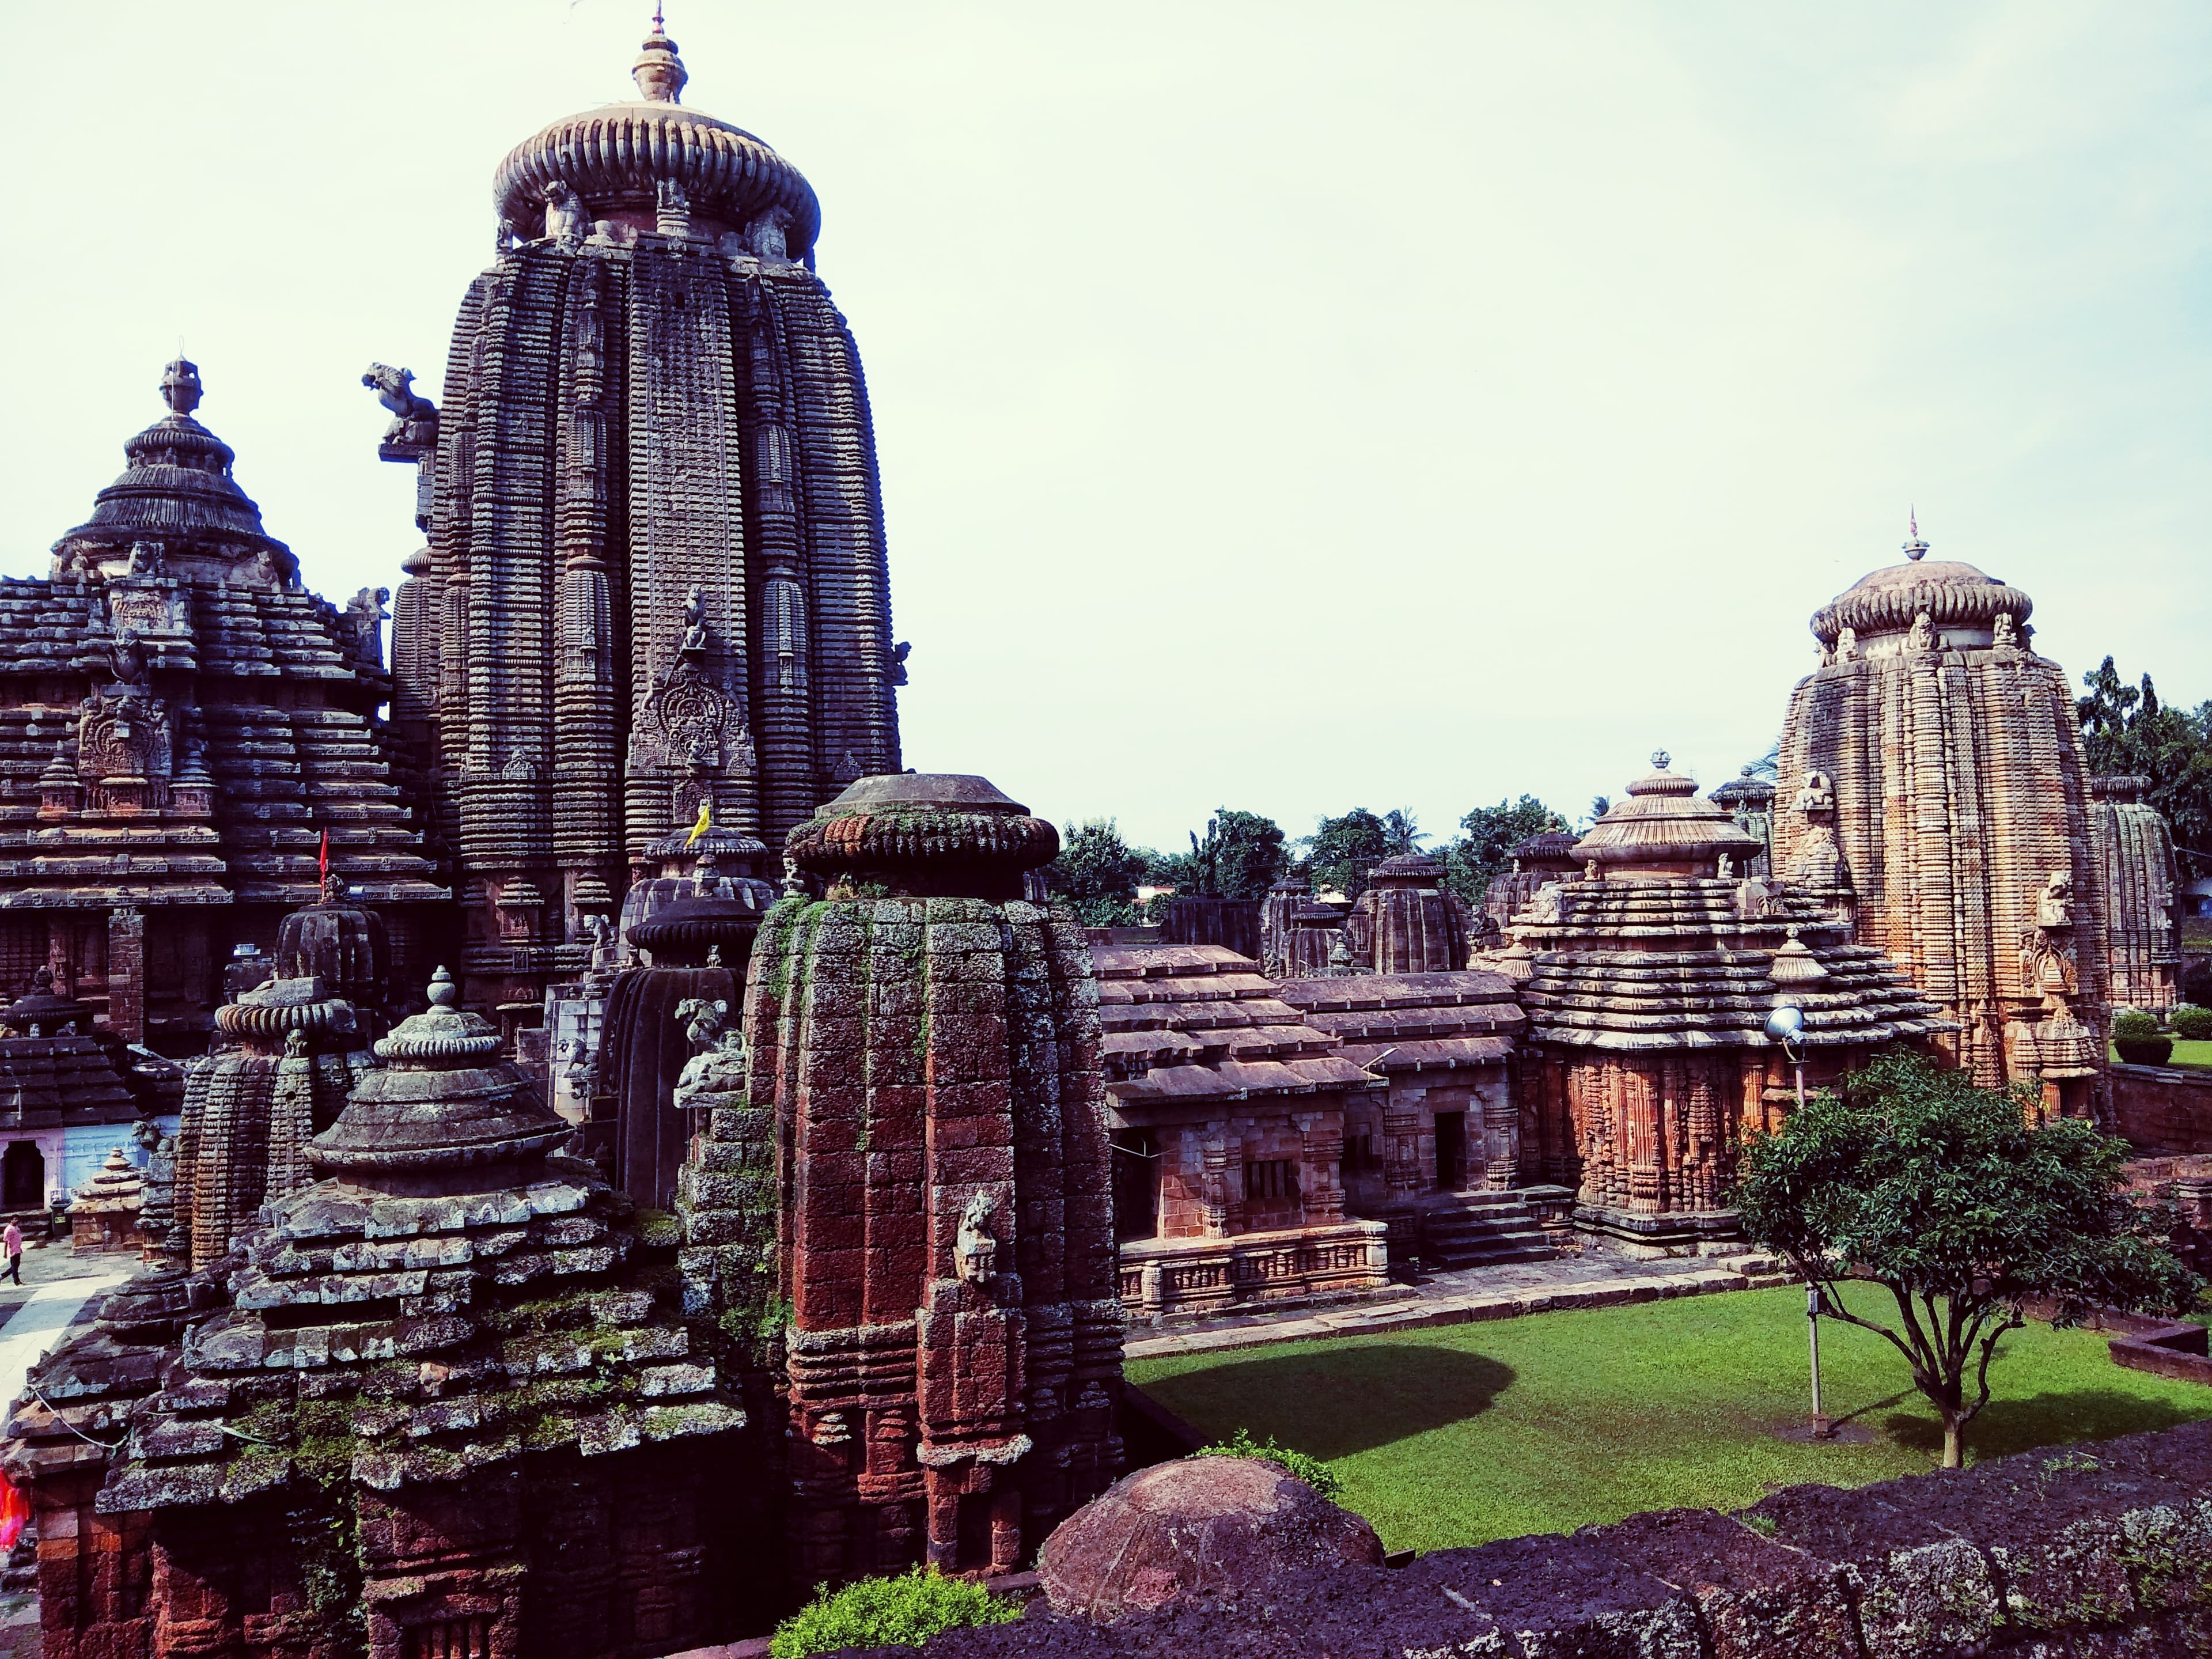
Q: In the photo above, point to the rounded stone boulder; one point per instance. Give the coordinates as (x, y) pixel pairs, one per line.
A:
(1200, 1527)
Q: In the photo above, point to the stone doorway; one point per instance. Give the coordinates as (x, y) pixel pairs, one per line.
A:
(1451, 1152)
(23, 1177)
(1136, 1161)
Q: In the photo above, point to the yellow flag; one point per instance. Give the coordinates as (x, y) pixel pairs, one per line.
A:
(706, 823)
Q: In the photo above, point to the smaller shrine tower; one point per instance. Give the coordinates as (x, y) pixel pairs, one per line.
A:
(924, 1048)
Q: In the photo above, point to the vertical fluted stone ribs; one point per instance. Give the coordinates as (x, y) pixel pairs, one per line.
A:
(927, 1055)
(1961, 788)
(623, 426)
(2141, 876)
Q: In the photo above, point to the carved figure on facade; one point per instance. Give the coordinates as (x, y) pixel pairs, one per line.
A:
(127, 661)
(567, 219)
(694, 621)
(898, 662)
(1816, 795)
(2054, 905)
(1847, 645)
(975, 1247)
(125, 737)
(1920, 638)
(671, 207)
(364, 616)
(2004, 632)
(2046, 963)
(413, 417)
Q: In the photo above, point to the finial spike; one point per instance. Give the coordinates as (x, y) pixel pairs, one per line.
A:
(659, 72)
(1916, 545)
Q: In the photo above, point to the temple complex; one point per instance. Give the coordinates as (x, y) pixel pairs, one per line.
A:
(183, 730)
(1405, 922)
(656, 587)
(2141, 881)
(1648, 986)
(1939, 795)
(761, 1199)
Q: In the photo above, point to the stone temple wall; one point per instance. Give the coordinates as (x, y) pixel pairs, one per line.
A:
(2094, 1549)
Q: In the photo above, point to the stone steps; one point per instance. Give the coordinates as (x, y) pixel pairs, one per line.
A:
(1487, 1228)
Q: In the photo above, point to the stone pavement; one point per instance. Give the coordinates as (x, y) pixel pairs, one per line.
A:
(1596, 1279)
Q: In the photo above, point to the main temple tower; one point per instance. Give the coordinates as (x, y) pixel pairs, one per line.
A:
(657, 580)
(1936, 791)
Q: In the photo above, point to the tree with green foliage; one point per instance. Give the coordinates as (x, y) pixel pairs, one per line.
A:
(2125, 728)
(1097, 872)
(1487, 837)
(1910, 1180)
(898, 1611)
(1241, 857)
(1341, 851)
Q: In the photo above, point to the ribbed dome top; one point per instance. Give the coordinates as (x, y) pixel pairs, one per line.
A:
(177, 489)
(925, 834)
(1886, 601)
(1664, 823)
(442, 1100)
(614, 156)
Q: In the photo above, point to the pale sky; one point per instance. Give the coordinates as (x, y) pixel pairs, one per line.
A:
(1288, 406)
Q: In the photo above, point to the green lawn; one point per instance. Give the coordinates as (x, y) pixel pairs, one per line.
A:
(2185, 1053)
(1552, 1421)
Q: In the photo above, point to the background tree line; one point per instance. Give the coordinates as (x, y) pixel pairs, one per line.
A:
(1241, 855)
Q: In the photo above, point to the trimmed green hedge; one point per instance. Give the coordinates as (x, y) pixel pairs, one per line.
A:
(2137, 1024)
(2189, 1023)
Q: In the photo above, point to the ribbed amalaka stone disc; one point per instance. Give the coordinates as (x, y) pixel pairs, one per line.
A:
(922, 834)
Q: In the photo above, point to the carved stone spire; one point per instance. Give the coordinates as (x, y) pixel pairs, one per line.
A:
(659, 72)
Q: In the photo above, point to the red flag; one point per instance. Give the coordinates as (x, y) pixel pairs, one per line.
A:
(14, 1512)
(323, 863)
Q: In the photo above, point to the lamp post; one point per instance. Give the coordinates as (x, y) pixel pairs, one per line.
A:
(1786, 1026)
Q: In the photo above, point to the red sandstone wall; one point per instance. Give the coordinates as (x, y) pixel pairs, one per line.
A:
(2163, 1108)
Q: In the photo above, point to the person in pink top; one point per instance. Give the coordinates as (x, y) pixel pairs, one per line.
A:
(13, 1239)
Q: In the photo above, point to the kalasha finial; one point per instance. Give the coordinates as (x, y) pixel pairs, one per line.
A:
(1915, 548)
(444, 994)
(1659, 758)
(180, 386)
(659, 72)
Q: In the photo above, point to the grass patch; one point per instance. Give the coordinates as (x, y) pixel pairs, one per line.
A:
(2185, 1053)
(1547, 1422)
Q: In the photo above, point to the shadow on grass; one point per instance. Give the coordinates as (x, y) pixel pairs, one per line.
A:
(1334, 1405)
(2006, 1426)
